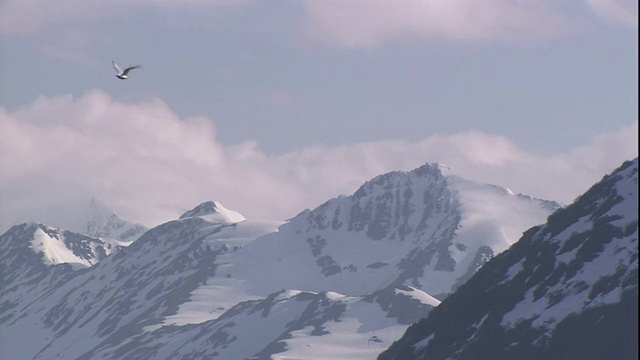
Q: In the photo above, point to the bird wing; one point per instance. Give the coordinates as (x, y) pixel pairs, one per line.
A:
(129, 68)
(115, 66)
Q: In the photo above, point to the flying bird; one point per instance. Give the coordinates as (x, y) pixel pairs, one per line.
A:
(122, 74)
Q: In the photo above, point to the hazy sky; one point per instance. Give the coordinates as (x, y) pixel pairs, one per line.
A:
(271, 107)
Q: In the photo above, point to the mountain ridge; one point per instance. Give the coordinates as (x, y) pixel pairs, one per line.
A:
(350, 275)
(418, 220)
(567, 289)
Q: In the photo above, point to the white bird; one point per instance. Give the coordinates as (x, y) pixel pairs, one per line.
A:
(122, 74)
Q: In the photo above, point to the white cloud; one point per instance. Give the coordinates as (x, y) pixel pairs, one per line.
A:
(369, 23)
(149, 165)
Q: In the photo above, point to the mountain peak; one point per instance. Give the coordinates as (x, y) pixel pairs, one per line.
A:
(437, 168)
(213, 211)
(433, 171)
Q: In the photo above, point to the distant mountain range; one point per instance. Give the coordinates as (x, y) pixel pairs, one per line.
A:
(342, 281)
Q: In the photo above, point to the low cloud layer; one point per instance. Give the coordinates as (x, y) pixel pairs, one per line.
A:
(149, 165)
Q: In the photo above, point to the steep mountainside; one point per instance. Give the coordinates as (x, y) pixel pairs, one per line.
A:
(344, 279)
(35, 258)
(566, 290)
(118, 296)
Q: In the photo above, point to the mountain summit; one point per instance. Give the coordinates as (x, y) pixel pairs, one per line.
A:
(213, 211)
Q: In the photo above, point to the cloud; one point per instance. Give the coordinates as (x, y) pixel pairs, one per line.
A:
(149, 165)
(624, 12)
(358, 23)
(561, 177)
(24, 17)
(370, 23)
(72, 46)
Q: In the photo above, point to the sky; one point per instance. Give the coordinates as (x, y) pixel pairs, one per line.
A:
(271, 107)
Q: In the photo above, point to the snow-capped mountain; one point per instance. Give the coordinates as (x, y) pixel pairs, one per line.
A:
(53, 246)
(566, 290)
(125, 294)
(420, 228)
(34, 258)
(91, 217)
(102, 222)
(344, 279)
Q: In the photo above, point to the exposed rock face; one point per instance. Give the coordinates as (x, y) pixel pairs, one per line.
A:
(566, 290)
(420, 228)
